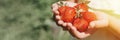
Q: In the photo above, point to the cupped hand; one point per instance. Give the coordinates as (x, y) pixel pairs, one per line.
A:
(101, 22)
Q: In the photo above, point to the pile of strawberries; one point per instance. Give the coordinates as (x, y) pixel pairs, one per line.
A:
(78, 15)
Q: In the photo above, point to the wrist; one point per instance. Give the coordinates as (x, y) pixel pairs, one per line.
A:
(113, 22)
(114, 25)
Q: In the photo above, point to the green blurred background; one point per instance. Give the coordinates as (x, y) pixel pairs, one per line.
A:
(29, 20)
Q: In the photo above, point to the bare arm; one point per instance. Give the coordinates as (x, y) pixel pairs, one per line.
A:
(103, 21)
(68, 26)
(114, 26)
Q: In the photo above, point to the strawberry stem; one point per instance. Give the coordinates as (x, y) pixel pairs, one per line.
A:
(61, 4)
(79, 13)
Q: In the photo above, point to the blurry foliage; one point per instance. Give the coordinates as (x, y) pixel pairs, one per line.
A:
(29, 20)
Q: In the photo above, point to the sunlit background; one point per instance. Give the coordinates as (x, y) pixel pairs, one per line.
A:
(111, 7)
(32, 19)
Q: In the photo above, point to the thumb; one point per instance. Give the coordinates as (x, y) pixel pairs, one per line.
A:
(74, 32)
(99, 23)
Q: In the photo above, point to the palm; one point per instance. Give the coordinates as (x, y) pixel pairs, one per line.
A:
(101, 22)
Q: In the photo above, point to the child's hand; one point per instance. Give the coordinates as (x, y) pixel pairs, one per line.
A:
(57, 17)
(102, 21)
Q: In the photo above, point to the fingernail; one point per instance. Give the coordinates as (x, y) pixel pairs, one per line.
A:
(69, 24)
(56, 12)
(64, 24)
(60, 22)
(92, 24)
(58, 17)
(54, 8)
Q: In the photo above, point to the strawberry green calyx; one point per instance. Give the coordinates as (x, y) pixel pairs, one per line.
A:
(78, 15)
(61, 3)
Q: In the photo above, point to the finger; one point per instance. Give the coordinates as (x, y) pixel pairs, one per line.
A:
(64, 24)
(100, 15)
(55, 12)
(58, 17)
(78, 34)
(70, 4)
(68, 26)
(60, 22)
(91, 25)
(54, 8)
(90, 30)
(102, 20)
(100, 23)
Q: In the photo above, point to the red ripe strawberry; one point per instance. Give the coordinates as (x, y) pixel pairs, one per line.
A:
(82, 6)
(80, 24)
(89, 16)
(69, 14)
(62, 9)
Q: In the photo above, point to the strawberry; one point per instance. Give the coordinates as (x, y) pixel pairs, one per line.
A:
(89, 16)
(81, 24)
(82, 6)
(79, 19)
(62, 9)
(68, 14)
